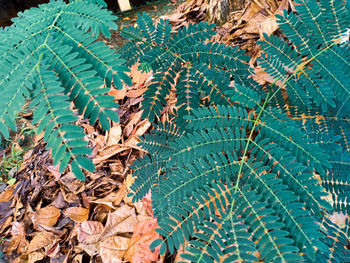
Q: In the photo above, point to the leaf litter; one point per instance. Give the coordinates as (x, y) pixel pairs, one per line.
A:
(48, 216)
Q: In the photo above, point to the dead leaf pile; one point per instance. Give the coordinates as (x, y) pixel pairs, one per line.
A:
(54, 217)
(243, 28)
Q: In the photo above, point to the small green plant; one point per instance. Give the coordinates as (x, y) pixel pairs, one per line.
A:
(12, 158)
(51, 56)
(233, 175)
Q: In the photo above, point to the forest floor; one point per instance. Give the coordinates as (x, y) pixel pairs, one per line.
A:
(46, 216)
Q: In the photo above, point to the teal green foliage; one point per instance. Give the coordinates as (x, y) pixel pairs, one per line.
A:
(199, 65)
(51, 55)
(318, 91)
(235, 170)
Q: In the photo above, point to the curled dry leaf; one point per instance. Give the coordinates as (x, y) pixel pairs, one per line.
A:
(41, 240)
(108, 152)
(77, 214)
(135, 93)
(52, 250)
(112, 249)
(122, 220)
(54, 170)
(114, 135)
(107, 201)
(132, 142)
(46, 216)
(144, 234)
(142, 127)
(135, 119)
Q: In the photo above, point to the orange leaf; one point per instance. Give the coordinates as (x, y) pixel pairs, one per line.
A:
(77, 214)
(144, 234)
(118, 94)
(134, 93)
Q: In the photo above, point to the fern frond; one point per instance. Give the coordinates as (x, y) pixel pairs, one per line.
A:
(64, 138)
(336, 239)
(56, 40)
(147, 172)
(240, 185)
(157, 91)
(158, 140)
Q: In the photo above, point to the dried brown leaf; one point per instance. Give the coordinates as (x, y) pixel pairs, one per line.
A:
(52, 250)
(35, 256)
(18, 240)
(122, 220)
(108, 152)
(135, 119)
(7, 194)
(134, 93)
(147, 203)
(54, 170)
(41, 240)
(137, 76)
(89, 232)
(268, 26)
(112, 249)
(114, 135)
(142, 127)
(132, 143)
(46, 216)
(77, 214)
